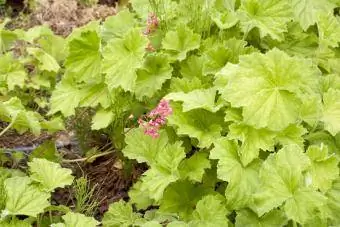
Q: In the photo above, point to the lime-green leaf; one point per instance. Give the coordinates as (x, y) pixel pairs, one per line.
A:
(46, 61)
(199, 123)
(210, 211)
(143, 147)
(36, 32)
(120, 214)
(84, 59)
(329, 29)
(53, 125)
(117, 25)
(229, 168)
(152, 75)
(324, 169)
(269, 92)
(252, 141)
(139, 198)
(194, 167)
(14, 222)
(78, 220)
(55, 46)
(284, 182)
(102, 119)
(307, 11)
(331, 111)
(122, 57)
(24, 198)
(94, 94)
(181, 41)
(185, 84)
(7, 37)
(196, 99)
(181, 198)
(224, 19)
(12, 72)
(269, 16)
(46, 150)
(333, 196)
(304, 204)
(65, 98)
(49, 175)
(248, 218)
(13, 111)
(192, 67)
(216, 58)
(291, 135)
(164, 170)
(155, 181)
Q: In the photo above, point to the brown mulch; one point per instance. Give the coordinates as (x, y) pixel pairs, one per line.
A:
(109, 178)
(113, 182)
(62, 16)
(12, 139)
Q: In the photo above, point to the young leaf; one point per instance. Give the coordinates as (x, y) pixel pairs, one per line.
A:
(120, 214)
(216, 58)
(331, 111)
(224, 18)
(268, 91)
(269, 16)
(102, 119)
(7, 37)
(181, 41)
(142, 147)
(181, 197)
(239, 194)
(77, 220)
(252, 141)
(24, 198)
(196, 99)
(49, 175)
(152, 75)
(284, 182)
(324, 169)
(12, 72)
(329, 29)
(210, 211)
(122, 57)
(249, 218)
(198, 123)
(84, 59)
(65, 98)
(164, 170)
(14, 112)
(306, 11)
(93, 94)
(194, 167)
(46, 61)
(117, 26)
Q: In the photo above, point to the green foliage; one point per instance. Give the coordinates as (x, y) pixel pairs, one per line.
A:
(253, 138)
(29, 195)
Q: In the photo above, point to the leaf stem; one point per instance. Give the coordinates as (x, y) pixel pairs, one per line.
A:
(87, 158)
(7, 128)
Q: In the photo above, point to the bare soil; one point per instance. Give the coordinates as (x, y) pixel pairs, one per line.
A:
(61, 15)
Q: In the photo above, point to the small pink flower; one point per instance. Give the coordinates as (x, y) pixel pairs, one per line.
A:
(156, 118)
(150, 48)
(151, 23)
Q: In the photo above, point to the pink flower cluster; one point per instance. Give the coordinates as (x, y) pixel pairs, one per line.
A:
(154, 120)
(152, 25)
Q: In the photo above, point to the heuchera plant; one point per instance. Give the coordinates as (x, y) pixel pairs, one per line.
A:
(248, 129)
